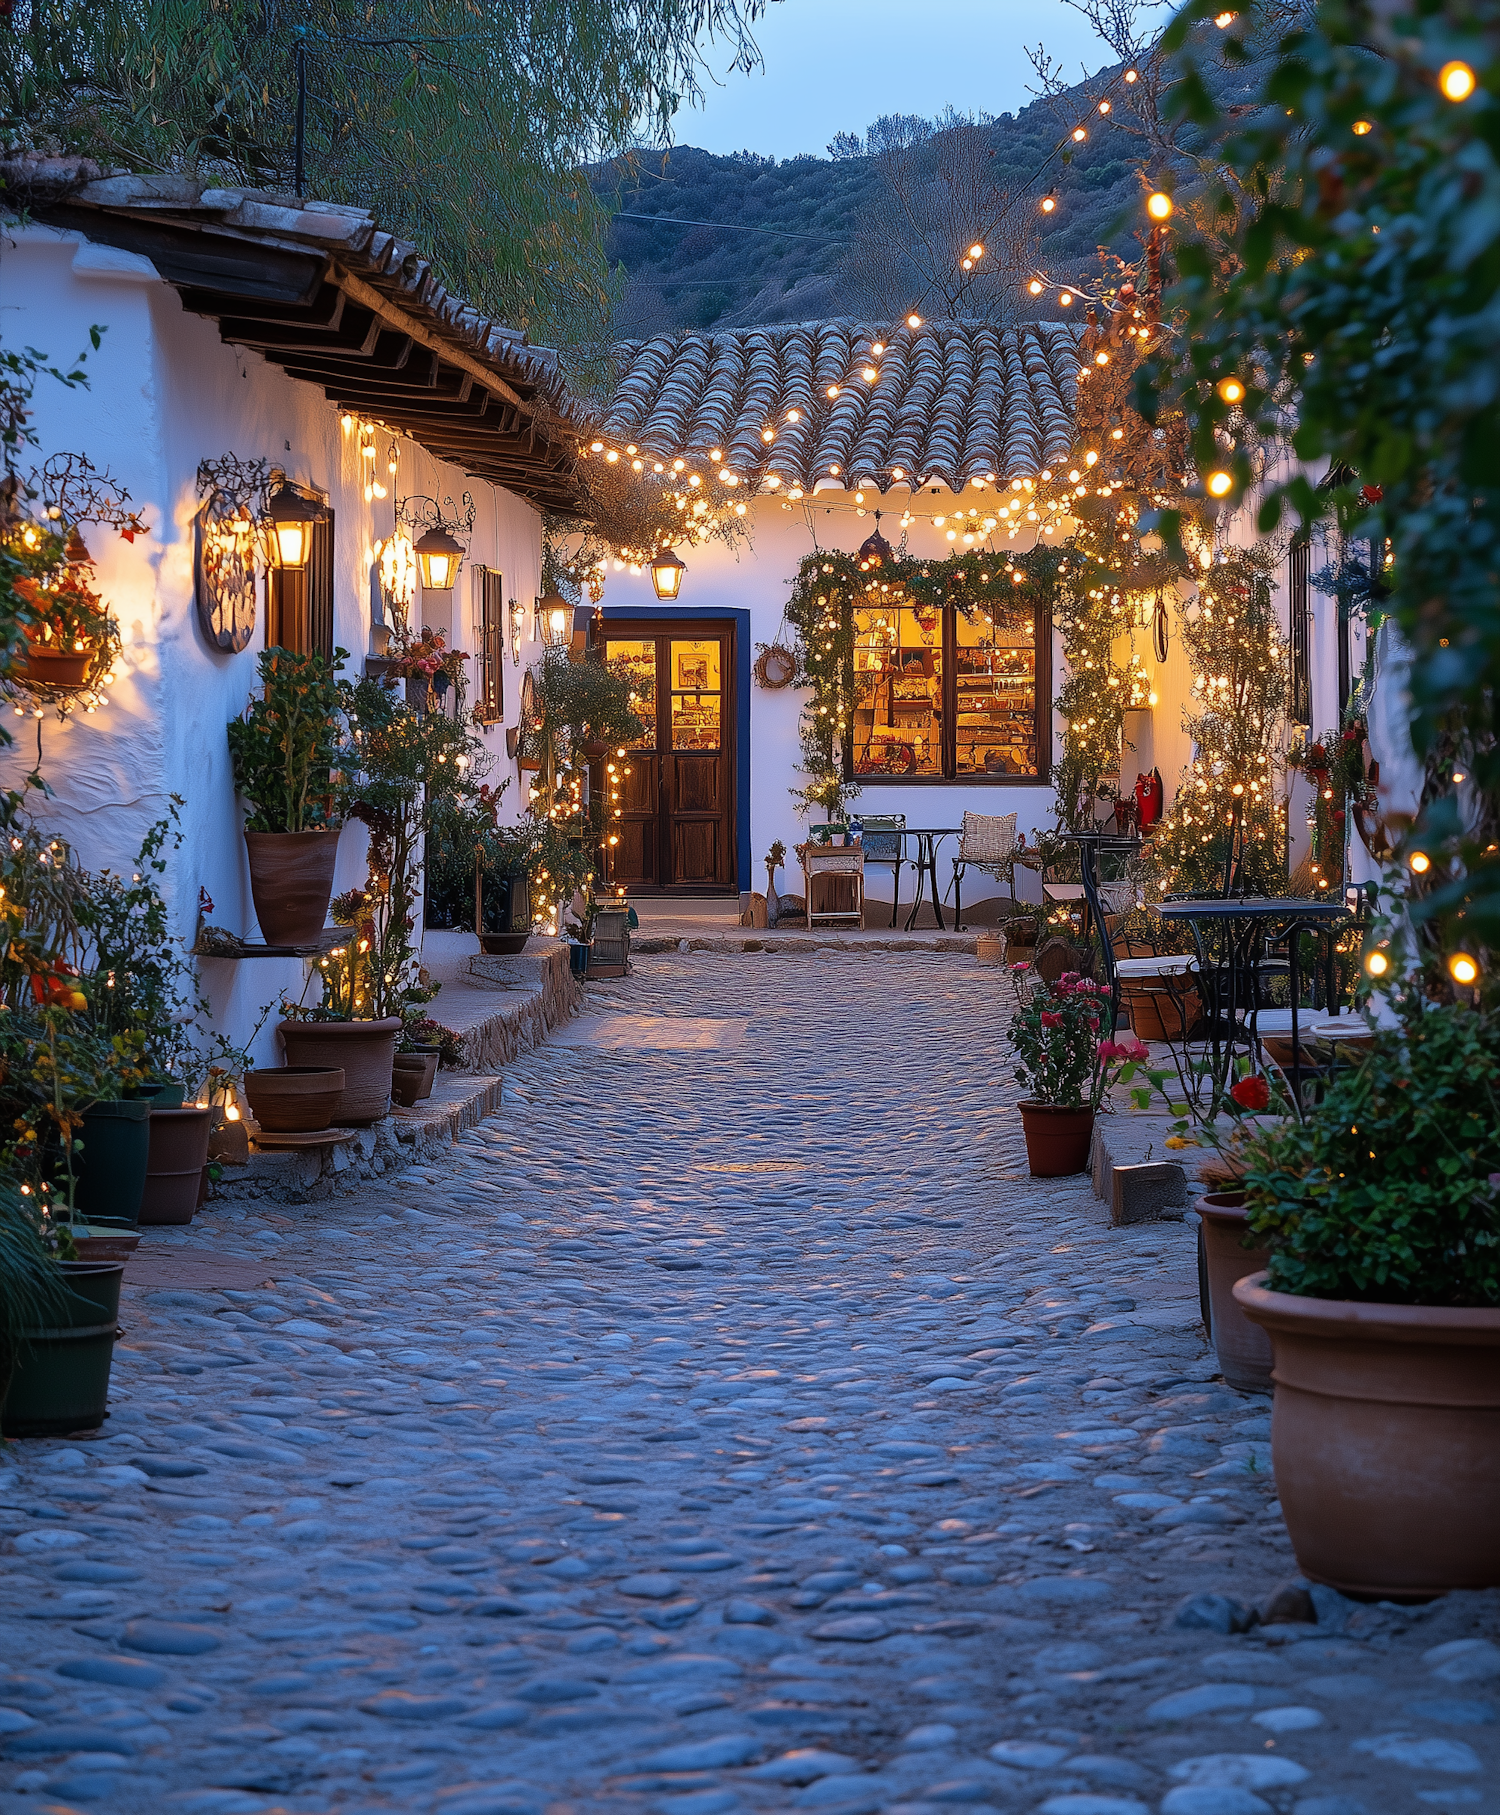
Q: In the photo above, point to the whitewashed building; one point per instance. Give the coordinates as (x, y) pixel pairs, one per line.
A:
(298, 334)
(960, 411)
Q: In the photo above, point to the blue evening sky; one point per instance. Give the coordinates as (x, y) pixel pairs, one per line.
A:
(835, 65)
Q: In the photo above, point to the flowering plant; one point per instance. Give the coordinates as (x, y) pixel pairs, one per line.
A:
(430, 656)
(1061, 1060)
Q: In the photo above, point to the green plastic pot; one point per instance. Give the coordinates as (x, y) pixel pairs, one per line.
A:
(61, 1380)
(110, 1174)
(162, 1093)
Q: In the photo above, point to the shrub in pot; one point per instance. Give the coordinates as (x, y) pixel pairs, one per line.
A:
(1065, 1066)
(286, 747)
(405, 769)
(1381, 1211)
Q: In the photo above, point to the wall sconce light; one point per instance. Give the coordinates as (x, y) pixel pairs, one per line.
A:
(666, 574)
(439, 555)
(555, 615)
(290, 518)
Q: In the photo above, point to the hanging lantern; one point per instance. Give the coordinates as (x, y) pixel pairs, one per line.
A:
(666, 574)
(439, 555)
(290, 517)
(875, 551)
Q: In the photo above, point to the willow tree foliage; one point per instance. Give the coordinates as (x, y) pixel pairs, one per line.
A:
(461, 123)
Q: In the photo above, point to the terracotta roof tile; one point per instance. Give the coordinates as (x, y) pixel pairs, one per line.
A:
(953, 400)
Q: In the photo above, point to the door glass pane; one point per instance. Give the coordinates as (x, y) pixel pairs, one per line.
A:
(639, 659)
(898, 691)
(696, 680)
(995, 685)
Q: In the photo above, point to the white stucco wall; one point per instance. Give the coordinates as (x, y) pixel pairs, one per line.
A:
(165, 393)
(758, 579)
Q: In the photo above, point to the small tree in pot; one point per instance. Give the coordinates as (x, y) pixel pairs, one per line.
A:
(1381, 1211)
(1065, 1065)
(286, 748)
(405, 769)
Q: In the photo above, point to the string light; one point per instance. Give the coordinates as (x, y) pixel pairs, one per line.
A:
(1457, 81)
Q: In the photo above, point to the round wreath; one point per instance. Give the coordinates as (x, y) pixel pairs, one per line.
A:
(775, 667)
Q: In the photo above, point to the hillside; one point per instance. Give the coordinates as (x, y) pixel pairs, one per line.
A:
(831, 210)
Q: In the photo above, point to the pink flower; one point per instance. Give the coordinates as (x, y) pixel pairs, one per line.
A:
(1051, 1020)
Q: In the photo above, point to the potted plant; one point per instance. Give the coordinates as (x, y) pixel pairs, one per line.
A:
(1065, 1065)
(405, 768)
(286, 748)
(70, 642)
(423, 1045)
(1381, 1211)
(502, 882)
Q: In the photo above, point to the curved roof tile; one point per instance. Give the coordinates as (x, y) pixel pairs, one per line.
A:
(954, 399)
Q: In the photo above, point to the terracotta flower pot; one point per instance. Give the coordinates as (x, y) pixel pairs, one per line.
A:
(55, 667)
(1057, 1140)
(363, 1050)
(1243, 1348)
(174, 1171)
(291, 883)
(411, 1076)
(1155, 1014)
(1385, 1440)
(294, 1099)
(108, 1244)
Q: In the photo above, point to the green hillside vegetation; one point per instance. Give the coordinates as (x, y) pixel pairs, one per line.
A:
(850, 253)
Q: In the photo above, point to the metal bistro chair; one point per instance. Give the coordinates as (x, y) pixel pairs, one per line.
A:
(988, 842)
(885, 842)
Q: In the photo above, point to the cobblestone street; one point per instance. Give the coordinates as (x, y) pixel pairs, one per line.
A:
(730, 1424)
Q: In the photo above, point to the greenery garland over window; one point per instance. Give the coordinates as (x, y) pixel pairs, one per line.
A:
(1000, 587)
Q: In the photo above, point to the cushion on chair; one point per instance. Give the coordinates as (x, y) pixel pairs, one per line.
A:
(988, 838)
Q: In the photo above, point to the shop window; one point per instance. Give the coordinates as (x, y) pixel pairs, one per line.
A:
(299, 601)
(489, 614)
(939, 697)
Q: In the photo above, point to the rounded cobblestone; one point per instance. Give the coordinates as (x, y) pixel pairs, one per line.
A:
(726, 1425)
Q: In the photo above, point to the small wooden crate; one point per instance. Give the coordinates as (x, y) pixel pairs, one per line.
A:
(610, 953)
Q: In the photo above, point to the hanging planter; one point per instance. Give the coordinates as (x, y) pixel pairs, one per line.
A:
(71, 645)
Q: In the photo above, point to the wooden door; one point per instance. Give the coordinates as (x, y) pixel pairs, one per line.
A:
(676, 825)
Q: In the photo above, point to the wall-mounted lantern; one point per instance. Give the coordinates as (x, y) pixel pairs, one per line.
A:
(555, 616)
(439, 555)
(289, 519)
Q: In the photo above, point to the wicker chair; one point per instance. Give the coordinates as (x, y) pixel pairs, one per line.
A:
(988, 842)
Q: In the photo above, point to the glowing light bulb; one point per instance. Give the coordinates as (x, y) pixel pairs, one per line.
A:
(1065, 297)
(1159, 206)
(1220, 484)
(1377, 964)
(1420, 863)
(1361, 127)
(1462, 968)
(1230, 389)
(1034, 287)
(1457, 81)
(914, 321)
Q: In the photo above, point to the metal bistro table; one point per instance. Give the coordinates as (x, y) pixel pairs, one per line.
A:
(927, 838)
(1230, 960)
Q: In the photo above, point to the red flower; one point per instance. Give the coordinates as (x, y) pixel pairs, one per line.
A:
(1252, 1093)
(1372, 494)
(1051, 1020)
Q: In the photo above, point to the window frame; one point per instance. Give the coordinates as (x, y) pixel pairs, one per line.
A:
(950, 778)
(488, 585)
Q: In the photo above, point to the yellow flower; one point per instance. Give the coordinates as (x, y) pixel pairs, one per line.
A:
(1178, 1141)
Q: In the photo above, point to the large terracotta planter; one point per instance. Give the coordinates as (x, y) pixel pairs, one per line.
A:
(1057, 1140)
(291, 883)
(362, 1050)
(1385, 1439)
(1243, 1348)
(294, 1099)
(174, 1171)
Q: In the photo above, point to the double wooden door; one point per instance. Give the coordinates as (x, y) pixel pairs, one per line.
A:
(676, 824)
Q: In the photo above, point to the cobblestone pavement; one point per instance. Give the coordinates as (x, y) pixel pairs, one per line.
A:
(730, 1426)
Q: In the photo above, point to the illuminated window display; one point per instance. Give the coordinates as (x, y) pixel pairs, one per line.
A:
(939, 697)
